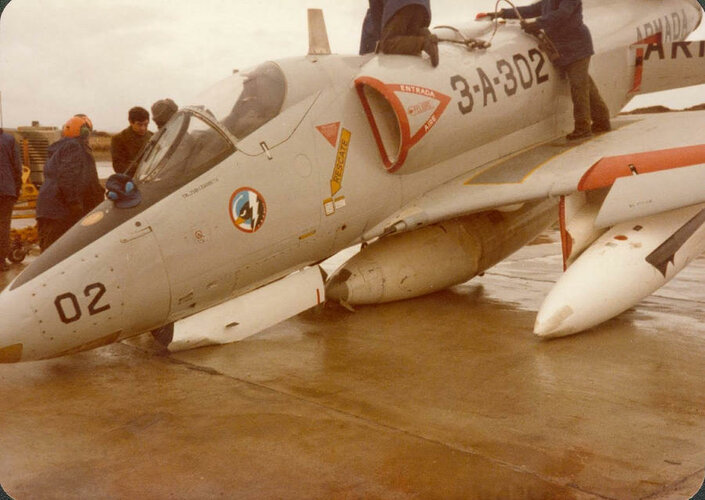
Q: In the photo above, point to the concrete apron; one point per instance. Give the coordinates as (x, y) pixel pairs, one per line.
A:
(445, 396)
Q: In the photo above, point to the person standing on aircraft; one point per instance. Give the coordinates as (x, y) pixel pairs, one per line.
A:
(399, 27)
(125, 146)
(10, 185)
(562, 20)
(71, 188)
(162, 110)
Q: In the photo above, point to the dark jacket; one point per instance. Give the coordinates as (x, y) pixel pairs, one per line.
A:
(125, 146)
(562, 20)
(71, 188)
(10, 166)
(379, 12)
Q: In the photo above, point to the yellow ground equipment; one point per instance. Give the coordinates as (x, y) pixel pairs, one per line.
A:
(22, 239)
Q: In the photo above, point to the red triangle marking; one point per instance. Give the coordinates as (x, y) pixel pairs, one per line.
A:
(330, 132)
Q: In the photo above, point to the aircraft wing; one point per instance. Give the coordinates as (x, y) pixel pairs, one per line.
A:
(650, 164)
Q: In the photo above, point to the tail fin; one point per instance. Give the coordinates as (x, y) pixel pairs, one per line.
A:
(665, 66)
(317, 35)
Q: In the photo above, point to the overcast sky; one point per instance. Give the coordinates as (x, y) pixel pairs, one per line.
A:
(101, 57)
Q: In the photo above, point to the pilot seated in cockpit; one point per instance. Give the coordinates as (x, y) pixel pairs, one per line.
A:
(399, 27)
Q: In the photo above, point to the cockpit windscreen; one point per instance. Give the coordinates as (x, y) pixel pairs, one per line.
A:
(186, 147)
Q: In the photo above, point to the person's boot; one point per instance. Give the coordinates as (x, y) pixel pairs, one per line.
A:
(578, 134)
(430, 46)
(600, 128)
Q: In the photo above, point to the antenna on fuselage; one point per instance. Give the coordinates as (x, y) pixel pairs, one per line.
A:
(317, 34)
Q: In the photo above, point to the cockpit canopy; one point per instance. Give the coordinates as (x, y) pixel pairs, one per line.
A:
(193, 140)
(258, 95)
(184, 148)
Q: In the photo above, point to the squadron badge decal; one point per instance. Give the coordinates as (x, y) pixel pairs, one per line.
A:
(247, 209)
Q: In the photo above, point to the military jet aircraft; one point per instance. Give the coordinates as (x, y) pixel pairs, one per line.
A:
(438, 172)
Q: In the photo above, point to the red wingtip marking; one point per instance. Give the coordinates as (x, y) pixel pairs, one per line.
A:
(608, 169)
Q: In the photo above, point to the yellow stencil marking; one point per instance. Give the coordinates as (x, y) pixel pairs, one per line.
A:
(336, 181)
(310, 233)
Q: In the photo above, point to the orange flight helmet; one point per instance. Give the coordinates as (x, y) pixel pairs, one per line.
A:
(77, 126)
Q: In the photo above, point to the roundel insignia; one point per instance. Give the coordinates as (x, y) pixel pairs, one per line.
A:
(247, 209)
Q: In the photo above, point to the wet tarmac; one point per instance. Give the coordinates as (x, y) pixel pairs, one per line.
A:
(445, 396)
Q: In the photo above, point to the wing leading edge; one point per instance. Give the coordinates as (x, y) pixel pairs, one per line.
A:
(640, 146)
(643, 179)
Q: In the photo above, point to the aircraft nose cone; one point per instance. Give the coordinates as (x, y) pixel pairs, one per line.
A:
(572, 307)
(554, 321)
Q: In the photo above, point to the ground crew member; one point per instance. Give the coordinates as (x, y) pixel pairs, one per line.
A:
(562, 20)
(399, 27)
(125, 146)
(162, 110)
(10, 185)
(71, 188)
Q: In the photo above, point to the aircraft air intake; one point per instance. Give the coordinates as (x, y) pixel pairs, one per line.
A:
(400, 115)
